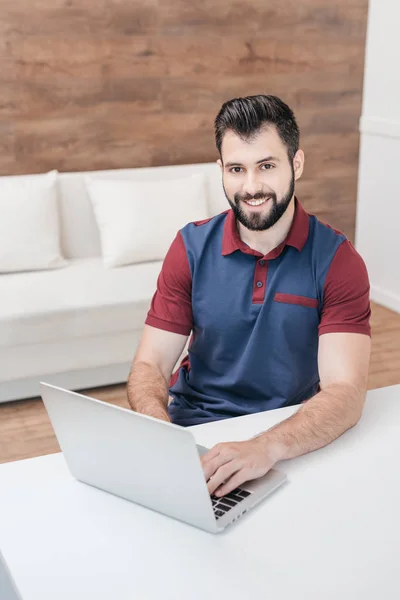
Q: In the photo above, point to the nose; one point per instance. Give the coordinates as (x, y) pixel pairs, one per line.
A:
(251, 185)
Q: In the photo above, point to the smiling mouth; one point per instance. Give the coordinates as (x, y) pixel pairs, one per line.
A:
(256, 202)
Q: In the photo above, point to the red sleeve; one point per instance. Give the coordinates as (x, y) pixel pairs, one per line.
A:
(346, 305)
(171, 306)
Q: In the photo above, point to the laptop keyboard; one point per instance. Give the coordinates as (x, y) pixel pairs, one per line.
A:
(223, 504)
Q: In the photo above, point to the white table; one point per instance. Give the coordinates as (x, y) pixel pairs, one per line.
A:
(331, 533)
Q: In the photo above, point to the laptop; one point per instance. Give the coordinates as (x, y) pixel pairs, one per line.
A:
(145, 460)
(8, 589)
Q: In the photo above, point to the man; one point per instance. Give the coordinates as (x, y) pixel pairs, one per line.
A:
(277, 303)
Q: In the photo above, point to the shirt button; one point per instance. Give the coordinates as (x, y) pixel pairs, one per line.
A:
(259, 284)
(262, 262)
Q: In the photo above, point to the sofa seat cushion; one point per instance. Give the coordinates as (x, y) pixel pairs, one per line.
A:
(82, 299)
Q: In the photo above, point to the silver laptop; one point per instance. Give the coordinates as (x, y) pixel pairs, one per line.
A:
(8, 589)
(145, 460)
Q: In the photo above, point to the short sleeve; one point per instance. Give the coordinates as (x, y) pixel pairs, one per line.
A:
(171, 306)
(346, 304)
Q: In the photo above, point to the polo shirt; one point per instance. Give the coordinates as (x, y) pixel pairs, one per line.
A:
(255, 319)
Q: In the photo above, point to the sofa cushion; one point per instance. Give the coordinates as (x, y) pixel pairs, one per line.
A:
(29, 223)
(79, 231)
(82, 299)
(138, 220)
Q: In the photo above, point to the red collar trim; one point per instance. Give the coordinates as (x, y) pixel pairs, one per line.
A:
(296, 237)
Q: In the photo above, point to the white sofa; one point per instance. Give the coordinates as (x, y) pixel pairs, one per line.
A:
(78, 326)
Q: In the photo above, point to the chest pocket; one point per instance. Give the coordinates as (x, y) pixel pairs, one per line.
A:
(295, 321)
(295, 299)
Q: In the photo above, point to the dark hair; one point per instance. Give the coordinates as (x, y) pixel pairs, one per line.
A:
(245, 116)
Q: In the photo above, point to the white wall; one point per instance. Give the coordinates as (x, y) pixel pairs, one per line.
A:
(378, 205)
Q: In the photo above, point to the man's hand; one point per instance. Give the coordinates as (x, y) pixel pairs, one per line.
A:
(227, 466)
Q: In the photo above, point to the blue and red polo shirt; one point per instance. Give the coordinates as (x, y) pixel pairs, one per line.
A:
(255, 320)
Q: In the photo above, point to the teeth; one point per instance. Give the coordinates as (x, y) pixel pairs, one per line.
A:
(255, 202)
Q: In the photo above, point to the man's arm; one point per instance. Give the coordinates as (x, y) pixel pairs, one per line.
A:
(151, 371)
(343, 360)
(168, 325)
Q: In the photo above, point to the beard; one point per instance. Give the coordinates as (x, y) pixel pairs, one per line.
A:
(256, 221)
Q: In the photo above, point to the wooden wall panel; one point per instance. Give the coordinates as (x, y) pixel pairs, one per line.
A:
(97, 84)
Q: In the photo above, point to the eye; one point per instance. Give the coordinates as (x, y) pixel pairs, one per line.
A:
(235, 170)
(267, 166)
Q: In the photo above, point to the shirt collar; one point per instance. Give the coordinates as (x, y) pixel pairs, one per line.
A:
(296, 237)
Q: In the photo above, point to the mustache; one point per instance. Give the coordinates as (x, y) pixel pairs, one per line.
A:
(258, 196)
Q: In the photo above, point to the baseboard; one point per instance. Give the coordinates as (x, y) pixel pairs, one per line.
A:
(387, 299)
(72, 380)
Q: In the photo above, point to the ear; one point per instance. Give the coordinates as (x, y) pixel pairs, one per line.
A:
(219, 162)
(298, 164)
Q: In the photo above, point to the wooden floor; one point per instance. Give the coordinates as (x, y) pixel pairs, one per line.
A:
(25, 430)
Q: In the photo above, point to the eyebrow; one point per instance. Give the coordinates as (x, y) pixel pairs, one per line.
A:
(268, 159)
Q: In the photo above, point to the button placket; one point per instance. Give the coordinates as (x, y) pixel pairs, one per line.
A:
(260, 279)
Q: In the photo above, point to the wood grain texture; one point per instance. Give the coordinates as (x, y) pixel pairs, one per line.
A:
(102, 84)
(98, 84)
(25, 430)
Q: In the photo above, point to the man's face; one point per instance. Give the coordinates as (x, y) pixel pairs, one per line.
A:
(258, 177)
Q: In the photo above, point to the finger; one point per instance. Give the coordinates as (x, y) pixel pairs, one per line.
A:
(216, 463)
(235, 481)
(222, 475)
(210, 454)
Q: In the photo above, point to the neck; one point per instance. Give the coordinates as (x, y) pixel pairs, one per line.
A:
(265, 241)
